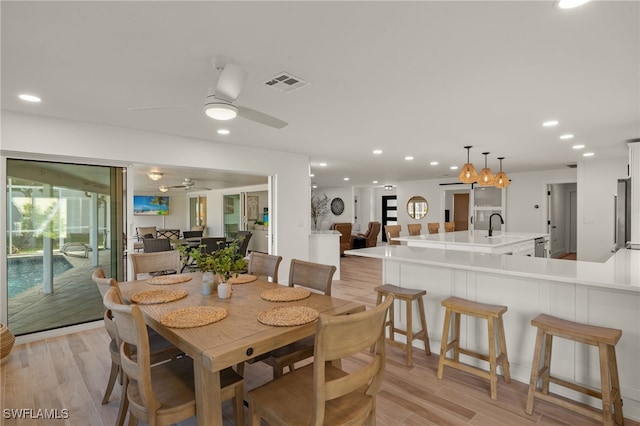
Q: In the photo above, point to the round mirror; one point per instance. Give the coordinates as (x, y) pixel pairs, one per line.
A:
(417, 207)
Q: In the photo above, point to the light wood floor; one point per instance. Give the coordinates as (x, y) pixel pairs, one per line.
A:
(71, 372)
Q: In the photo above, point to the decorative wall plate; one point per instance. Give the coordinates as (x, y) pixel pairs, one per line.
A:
(337, 206)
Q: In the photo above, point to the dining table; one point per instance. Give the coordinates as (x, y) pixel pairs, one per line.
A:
(236, 338)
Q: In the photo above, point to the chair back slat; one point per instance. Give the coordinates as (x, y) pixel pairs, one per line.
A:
(312, 275)
(264, 265)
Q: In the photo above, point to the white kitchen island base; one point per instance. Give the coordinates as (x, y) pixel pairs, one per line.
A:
(604, 294)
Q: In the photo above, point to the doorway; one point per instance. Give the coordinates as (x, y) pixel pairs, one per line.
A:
(461, 211)
(389, 213)
(562, 220)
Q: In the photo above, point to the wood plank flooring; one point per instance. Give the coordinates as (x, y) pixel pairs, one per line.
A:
(71, 372)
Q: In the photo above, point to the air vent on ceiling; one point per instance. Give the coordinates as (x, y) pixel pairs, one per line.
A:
(572, 166)
(286, 82)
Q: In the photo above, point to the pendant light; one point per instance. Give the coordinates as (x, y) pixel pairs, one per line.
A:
(468, 173)
(501, 179)
(486, 177)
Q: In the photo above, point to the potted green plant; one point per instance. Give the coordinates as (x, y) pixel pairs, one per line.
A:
(224, 263)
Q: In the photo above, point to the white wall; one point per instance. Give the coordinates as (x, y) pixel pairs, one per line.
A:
(347, 196)
(30, 136)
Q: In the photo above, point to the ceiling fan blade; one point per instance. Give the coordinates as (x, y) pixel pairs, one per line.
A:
(260, 117)
(156, 107)
(230, 82)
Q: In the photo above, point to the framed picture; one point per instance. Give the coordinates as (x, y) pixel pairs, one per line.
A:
(252, 207)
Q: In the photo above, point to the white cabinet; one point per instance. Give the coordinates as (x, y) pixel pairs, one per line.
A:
(486, 201)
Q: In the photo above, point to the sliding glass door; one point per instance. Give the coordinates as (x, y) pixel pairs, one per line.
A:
(63, 222)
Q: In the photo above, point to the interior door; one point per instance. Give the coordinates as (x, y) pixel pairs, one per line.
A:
(461, 211)
(389, 212)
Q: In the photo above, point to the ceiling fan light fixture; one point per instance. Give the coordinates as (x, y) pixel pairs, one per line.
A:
(468, 174)
(486, 177)
(163, 188)
(220, 110)
(154, 176)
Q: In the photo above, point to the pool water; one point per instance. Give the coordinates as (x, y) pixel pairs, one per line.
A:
(24, 273)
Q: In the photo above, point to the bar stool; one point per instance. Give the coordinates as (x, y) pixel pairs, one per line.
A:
(407, 295)
(493, 314)
(604, 338)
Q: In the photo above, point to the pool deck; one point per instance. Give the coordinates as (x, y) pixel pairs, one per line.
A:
(75, 299)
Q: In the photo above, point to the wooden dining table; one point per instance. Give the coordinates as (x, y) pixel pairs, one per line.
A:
(237, 338)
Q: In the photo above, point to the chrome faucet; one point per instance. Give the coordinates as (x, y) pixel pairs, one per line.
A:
(491, 217)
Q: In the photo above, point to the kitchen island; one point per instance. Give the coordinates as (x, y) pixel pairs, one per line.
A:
(605, 294)
(517, 243)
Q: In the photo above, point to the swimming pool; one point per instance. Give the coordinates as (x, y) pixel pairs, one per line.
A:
(24, 273)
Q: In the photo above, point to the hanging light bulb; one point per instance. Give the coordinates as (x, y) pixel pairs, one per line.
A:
(501, 179)
(468, 173)
(486, 177)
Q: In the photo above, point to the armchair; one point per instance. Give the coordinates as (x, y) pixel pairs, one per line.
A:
(371, 236)
(345, 237)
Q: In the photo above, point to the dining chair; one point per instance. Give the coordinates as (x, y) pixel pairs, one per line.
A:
(264, 265)
(321, 393)
(243, 238)
(164, 394)
(192, 234)
(314, 276)
(449, 227)
(159, 263)
(414, 228)
(153, 245)
(212, 244)
(160, 348)
(433, 227)
(146, 230)
(392, 231)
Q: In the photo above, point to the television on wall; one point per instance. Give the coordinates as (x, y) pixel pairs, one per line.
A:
(150, 205)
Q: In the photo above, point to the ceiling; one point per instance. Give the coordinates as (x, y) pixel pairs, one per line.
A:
(410, 78)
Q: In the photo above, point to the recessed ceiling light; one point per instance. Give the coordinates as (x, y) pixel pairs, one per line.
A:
(314, 186)
(588, 154)
(375, 181)
(29, 98)
(577, 146)
(377, 151)
(454, 167)
(311, 175)
(408, 158)
(550, 123)
(566, 136)
(223, 132)
(323, 164)
(434, 163)
(570, 4)
(346, 178)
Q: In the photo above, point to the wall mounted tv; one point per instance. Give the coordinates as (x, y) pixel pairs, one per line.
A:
(149, 205)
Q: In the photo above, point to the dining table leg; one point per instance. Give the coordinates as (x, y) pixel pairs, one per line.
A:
(208, 398)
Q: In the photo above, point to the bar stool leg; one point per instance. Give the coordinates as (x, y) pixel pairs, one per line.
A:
(409, 333)
(386, 321)
(503, 351)
(546, 372)
(605, 384)
(535, 371)
(444, 343)
(423, 320)
(456, 338)
(615, 385)
(493, 378)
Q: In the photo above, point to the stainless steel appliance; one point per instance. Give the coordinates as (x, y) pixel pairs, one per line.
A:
(623, 214)
(541, 247)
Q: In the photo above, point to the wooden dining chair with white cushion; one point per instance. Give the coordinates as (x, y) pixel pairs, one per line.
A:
(321, 393)
(264, 265)
(314, 276)
(164, 394)
(160, 348)
(393, 231)
(158, 263)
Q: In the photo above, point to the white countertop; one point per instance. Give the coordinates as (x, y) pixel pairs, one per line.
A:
(473, 238)
(621, 271)
(325, 233)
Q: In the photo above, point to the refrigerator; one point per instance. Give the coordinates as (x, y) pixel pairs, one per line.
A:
(623, 213)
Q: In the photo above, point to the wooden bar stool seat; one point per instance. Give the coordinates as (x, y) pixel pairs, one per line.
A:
(407, 295)
(604, 339)
(493, 315)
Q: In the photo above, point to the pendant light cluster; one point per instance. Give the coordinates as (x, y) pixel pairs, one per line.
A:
(468, 173)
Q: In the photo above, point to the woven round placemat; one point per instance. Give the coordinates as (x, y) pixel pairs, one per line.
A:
(169, 279)
(284, 316)
(152, 297)
(286, 294)
(243, 279)
(194, 316)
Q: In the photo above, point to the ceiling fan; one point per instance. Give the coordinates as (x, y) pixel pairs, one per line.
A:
(187, 184)
(220, 101)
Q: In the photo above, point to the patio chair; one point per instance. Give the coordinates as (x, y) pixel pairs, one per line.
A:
(153, 245)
